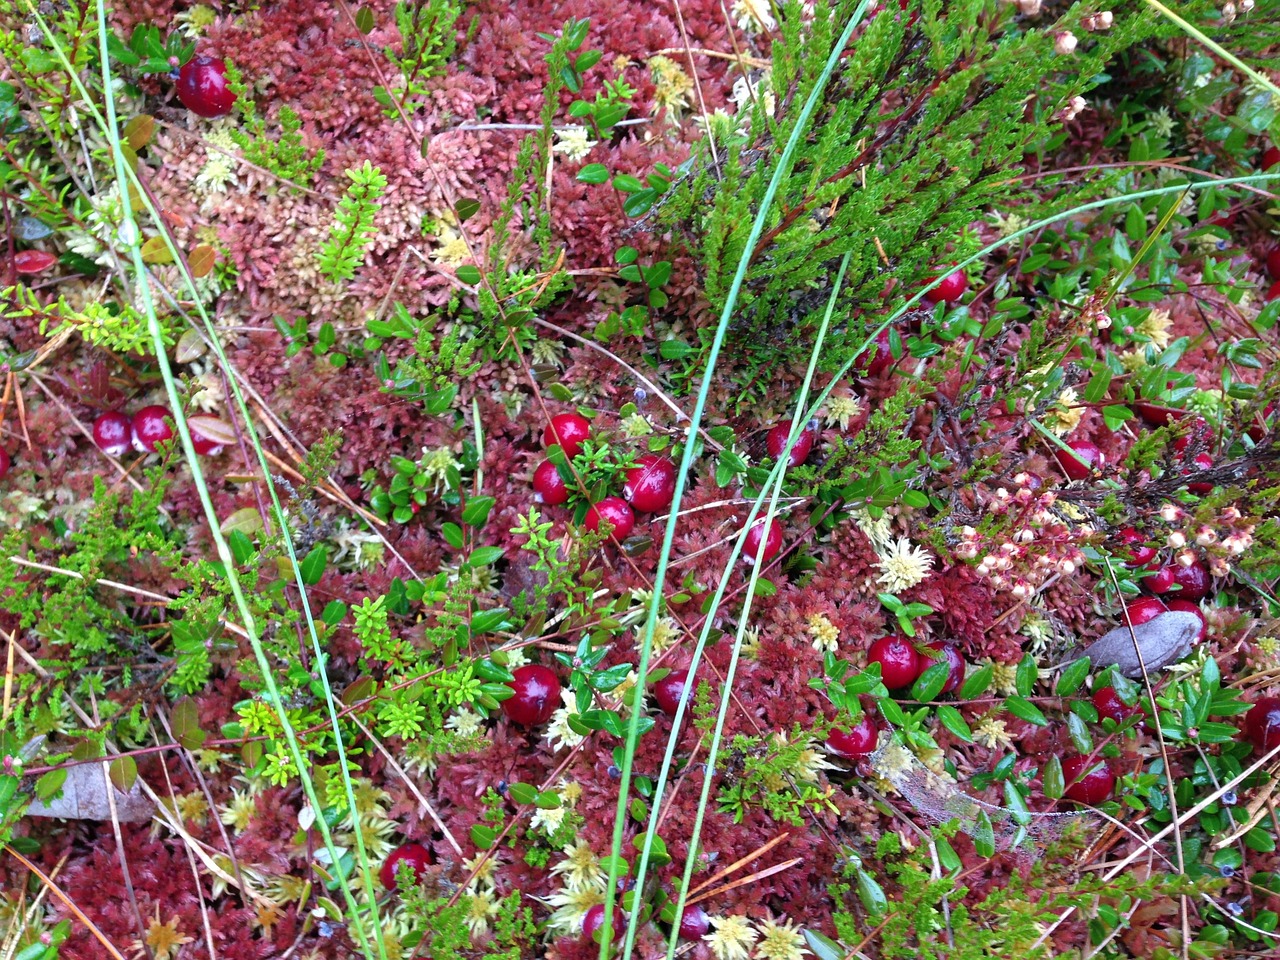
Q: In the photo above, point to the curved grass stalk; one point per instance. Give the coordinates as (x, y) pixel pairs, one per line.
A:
(1195, 34)
(129, 235)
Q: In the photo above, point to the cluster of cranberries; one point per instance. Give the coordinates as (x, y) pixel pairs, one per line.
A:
(115, 432)
(879, 355)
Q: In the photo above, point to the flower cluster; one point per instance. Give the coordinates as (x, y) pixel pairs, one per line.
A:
(1232, 537)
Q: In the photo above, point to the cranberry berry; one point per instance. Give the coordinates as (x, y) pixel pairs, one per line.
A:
(1082, 461)
(1139, 553)
(1144, 610)
(202, 87)
(149, 428)
(548, 486)
(594, 921)
(537, 695)
(113, 432)
(1109, 705)
(1194, 580)
(203, 431)
(1202, 461)
(858, 742)
(1262, 724)
(670, 690)
(948, 653)
(1088, 781)
(776, 442)
(899, 662)
(879, 355)
(951, 288)
(1160, 580)
(615, 512)
(569, 430)
(772, 542)
(414, 854)
(1273, 263)
(694, 923)
(5, 462)
(650, 484)
(1270, 157)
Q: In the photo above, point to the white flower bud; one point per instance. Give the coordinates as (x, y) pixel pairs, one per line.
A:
(1176, 540)
(1186, 559)
(1206, 536)
(1171, 513)
(1064, 43)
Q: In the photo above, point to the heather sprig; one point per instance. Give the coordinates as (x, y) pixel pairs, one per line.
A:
(353, 231)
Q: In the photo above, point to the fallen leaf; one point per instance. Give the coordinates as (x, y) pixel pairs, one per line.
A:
(1162, 641)
(84, 797)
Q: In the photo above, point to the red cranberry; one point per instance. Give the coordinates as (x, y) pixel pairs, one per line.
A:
(594, 920)
(1273, 263)
(772, 542)
(1273, 292)
(1160, 580)
(201, 440)
(670, 690)
(954, 660)
(651, 483)
(899, 662)
(112, 432)
(1203, 462)
(548, 486)
(614, 511)
(1145, 609)
(858, 742)
(1256, 430)
(1194, 580)
(776, 442)
(1186, 606)
(1084, 459)
(951, 288)
(5, 462)
(569, 430)
(1262, 724)
(537, 695)
(149, 428)
(202, 87)
(30, 262)
(1109, 704)
(1200, 431)
(1139, 553)
(1088, 781)
(1270, 157)
(694, 923)
(881, 354)
(415, 854)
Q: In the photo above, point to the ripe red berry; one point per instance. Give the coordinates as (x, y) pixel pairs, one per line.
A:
(415, 854)
(569, 430)
(202, 87)
(594, 920)
(1186, 606)
(651, 483)
(1203, 462)
(537, 695)
(1262, 724)
(203, 429)
(1139, 553)
(772, 542)
(879, 355)
(1200, 431)
(1194, 580)
(548, 486)
(614, 511)
(112, 432)
(858, 742)
(1084, 459)
(1088, 781)
(899, 662)
(1273, 263)
(1109, 704)
(30, 262)
(149, 428)
(951, 288)
(694, 923)
(1270, 157)
(5, 462)
(1144, 609)
(776, 442)
(947, 652)
(1160, 580)
(1273, 292)
(670, 690)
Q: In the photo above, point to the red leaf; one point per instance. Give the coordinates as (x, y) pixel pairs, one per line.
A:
(33, 261)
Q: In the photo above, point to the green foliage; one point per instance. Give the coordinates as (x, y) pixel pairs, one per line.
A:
(437, 364)
(39, 72)
(109, 325)
(779, 775)
(285, 155)
(351, 235)
(427, 40)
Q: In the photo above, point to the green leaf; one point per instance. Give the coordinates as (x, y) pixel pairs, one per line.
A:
(594, 173)
(1079, 733)
(950, 718)
(241, 547)
(466, 208)
(483, 836)
(487, 621)
(1025, 710)
(1071, 678)
(547, 800)
(313, 565)
(365, 21)
(522, 793)
(823, 947)
(452, 534)
(1025, 678)
(977, 683)
(184, 720)
(476, 512)
(469, 274)
(1053, 783)
(930, 683)
(627, 183)
(484, 556)
(984, 837)
(871, 894)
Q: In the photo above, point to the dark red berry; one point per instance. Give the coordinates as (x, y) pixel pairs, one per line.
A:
(594, 920)
(537, 695)
(1160, 580)
(203, 430)
(1273, 263)
(149, 428)
(1144, 609)
(879, 355)
(1194, 580)
(415, 854)
(1273, 291)
(651, 483)
(1084, 459)
(951, 655)
(30, 262)
(113, 433)
(1109, 704)
(5, 462)
(1256, 430)
(670, 690)
(548, 486)
(951, 288)
(1088, 781)
(202, 87)
(1139, 553)
(776, 442)
(772, 542)
(1262, 724)
(858, 742)
(1203, 462)
(1199, 431)
(1186, 606)
(569, 430)
(614, 511)
(899, 662)
(1270, 157)
(694, 923)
